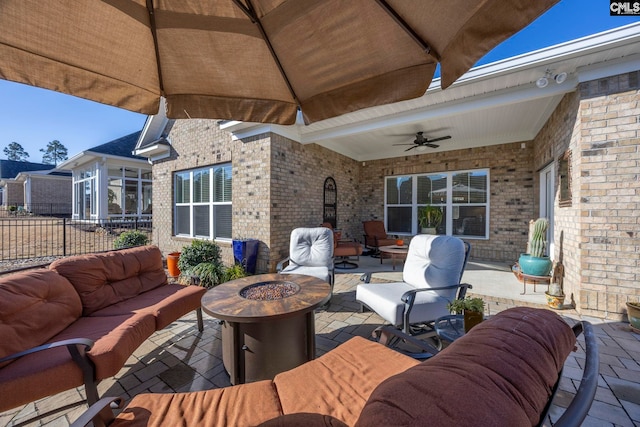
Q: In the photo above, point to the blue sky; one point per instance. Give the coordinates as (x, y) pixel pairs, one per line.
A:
(33, 117)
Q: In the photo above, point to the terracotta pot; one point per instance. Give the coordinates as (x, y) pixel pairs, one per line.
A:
(399, 242)
(471, 319)
(633, 313)
(172, 264)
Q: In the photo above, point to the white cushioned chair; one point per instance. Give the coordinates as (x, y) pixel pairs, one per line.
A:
(431, 278)
(310, 253)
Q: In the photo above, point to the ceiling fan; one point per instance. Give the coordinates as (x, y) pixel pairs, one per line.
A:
(421, 141)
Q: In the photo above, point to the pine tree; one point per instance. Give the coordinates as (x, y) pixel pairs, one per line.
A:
(54, 153)
(14, 151)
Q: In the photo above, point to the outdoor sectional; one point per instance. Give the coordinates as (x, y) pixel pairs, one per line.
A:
(502, 373)
(78, 321)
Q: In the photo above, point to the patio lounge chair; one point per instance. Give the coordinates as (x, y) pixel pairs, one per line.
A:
(431, 278)
(343, 250)
(375, 236)
(310, 253)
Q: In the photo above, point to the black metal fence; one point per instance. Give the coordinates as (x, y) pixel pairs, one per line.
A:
(32, 238)
(61, 210)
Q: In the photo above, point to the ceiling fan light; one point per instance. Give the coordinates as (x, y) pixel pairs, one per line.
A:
(421, 148)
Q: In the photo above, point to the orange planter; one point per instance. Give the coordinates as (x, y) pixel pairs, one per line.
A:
(399, 242)
(172, 264)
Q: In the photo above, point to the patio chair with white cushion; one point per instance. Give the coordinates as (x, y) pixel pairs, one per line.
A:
(310, 253)
(431, 278)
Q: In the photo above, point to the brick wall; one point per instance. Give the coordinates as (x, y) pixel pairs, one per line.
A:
(14, 193)
(51, 190)
(297, 186)
(609, 191)
(195, 143)
(511, 181)
(559, 134)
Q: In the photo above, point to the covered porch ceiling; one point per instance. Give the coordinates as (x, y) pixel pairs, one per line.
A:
(492, 104)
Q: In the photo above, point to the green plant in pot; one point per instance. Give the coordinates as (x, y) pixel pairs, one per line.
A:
(472, 308)
(535, 263)
(201, 252)
(429, 218)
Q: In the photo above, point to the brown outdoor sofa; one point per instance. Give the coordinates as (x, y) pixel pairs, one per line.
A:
(503, 373)
(79, 320)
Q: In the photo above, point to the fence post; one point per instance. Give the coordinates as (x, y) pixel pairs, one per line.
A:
(64, 236)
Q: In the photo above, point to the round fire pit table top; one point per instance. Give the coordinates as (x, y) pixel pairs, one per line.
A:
(225, 301)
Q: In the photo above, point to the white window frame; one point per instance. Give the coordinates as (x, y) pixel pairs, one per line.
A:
(80, 179)
(449, 205)
(191, 204)
(138, 180)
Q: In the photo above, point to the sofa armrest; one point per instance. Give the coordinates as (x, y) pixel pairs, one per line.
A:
(410, 296)
(74, 342)
(99, 413)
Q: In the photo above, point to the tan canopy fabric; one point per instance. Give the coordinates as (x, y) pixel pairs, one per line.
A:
(251, 60)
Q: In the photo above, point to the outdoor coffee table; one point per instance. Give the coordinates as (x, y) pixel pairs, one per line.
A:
(394, 252)
(263, 337)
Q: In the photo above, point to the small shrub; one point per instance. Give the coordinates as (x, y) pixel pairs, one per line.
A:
(209, 274)
(198, 252)
(130, 238)
(236, 271)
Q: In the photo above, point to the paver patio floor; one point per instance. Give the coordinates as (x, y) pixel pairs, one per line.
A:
(179, 358)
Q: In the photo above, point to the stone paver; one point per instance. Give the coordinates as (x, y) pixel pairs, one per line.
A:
(181, 359)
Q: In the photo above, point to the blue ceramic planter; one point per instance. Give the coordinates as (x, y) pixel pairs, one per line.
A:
(534, 266)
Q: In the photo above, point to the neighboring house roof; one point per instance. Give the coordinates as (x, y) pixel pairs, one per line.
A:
(53, 173)
(9, 169)
(122, 147)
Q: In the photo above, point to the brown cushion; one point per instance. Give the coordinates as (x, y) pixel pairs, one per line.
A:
(500, 374)
(166, 303)
(347, 249)
(116, 338)
(34, 306)
(241, 405)
(108, 278)
(304, 419)
(339, 382)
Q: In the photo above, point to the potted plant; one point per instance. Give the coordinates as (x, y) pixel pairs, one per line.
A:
(633, 313)
(471, 308)
(429, 218)
(555, 294)
(199, 252)
(172, 264)
(535, 263)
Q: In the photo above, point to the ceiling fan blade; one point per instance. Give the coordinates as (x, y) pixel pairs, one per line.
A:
(432, 145)
(411, 148)
(439, 139)
(402, 144)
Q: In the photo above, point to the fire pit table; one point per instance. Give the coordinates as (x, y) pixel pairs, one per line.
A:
(268, 323)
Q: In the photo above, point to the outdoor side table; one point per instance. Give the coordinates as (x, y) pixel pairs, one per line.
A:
(450, 328)
(263, 337)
